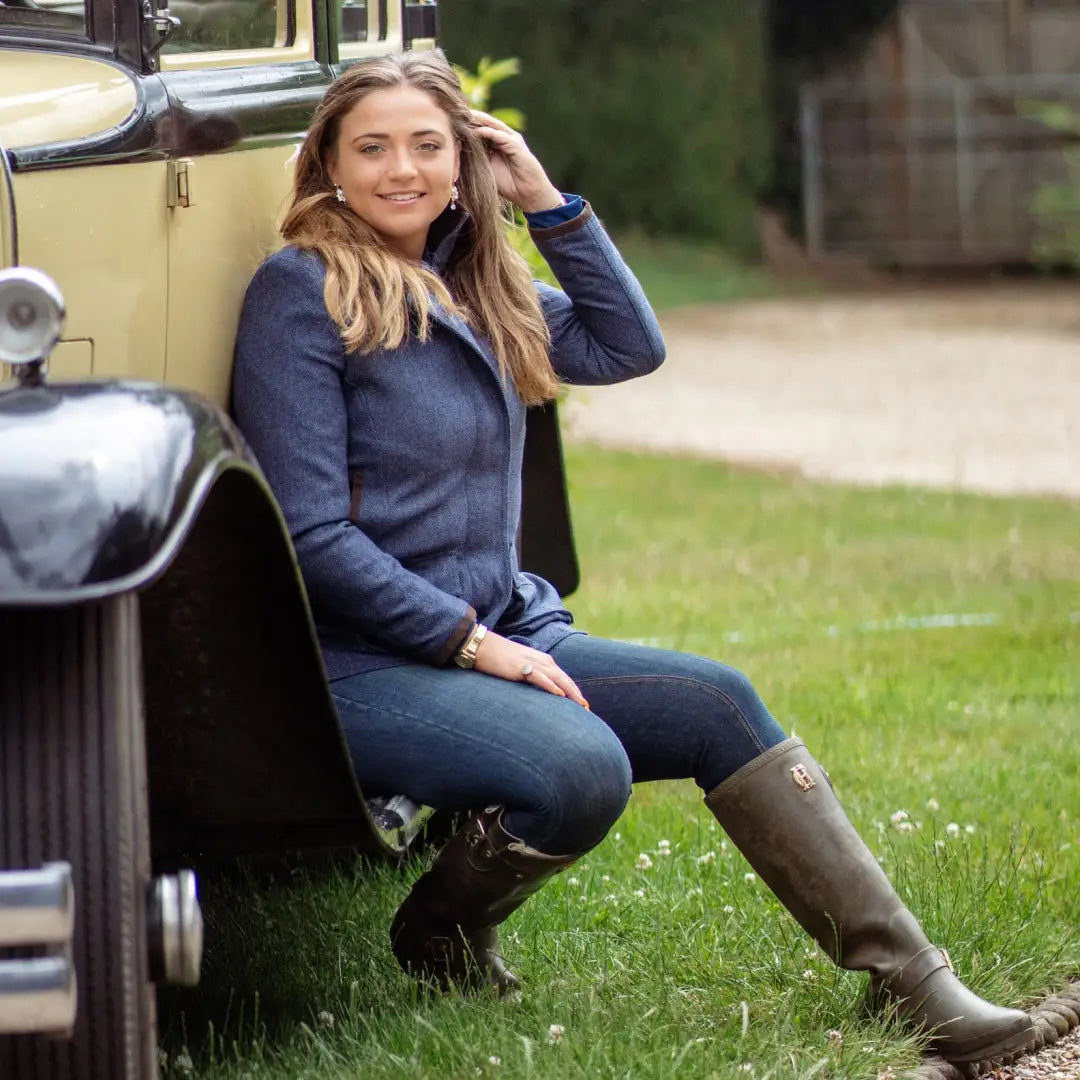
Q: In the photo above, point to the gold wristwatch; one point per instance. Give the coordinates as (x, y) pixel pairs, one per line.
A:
(465, 657)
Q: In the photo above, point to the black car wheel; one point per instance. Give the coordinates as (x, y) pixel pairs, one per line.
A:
(73, 789)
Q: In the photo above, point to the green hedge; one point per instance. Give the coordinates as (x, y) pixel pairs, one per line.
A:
(655, 110)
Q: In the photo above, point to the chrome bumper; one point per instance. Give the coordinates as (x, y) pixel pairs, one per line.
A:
(37, 973)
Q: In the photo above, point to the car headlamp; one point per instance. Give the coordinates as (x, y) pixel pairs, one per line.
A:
(31, 315)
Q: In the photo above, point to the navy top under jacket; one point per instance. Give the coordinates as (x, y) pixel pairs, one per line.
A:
(399, 471)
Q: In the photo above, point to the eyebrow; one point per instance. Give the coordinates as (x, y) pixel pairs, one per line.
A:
(384, 135)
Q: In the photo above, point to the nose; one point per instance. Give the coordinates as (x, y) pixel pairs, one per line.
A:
(401, 165)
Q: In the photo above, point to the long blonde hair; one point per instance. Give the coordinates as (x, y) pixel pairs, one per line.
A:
(370, 289)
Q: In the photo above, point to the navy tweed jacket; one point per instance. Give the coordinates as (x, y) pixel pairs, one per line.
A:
(399, 471)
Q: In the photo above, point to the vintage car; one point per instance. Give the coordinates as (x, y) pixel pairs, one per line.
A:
(162, 699)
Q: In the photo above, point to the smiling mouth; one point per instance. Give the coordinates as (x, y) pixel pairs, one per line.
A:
(403, 197)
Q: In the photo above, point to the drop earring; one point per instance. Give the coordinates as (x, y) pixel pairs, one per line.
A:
(338, 193)
(454, 195)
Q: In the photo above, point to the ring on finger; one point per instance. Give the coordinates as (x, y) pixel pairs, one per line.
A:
(526, 670)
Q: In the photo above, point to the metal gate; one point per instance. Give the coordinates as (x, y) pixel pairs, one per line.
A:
(927, 152)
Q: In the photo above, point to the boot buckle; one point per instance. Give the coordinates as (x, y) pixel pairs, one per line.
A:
(801, 775)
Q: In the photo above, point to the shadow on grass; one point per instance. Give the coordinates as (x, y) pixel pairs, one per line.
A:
(284, 947)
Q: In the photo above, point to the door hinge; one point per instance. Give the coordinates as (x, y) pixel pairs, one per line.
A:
(179, 179)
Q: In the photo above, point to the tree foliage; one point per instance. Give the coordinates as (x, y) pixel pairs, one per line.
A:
(655, 112)
(1057, 206)
(676, 116)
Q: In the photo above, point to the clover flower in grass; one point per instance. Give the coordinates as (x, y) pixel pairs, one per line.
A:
(663, 847)
(556, 1033)
(644, 861)
(708, 857)
(728, 909)
(573, 882)
(183, 1064)
(495, 1060)
(933, 805)
(905, 827)
(605, 877)
(324, 1020)
(898, 817)
(617, 836)
(969, 829)
(834, 1037)
(749, 878)
(952, 829)
(639, 893)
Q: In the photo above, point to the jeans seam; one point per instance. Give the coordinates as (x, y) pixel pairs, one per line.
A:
(707, 687)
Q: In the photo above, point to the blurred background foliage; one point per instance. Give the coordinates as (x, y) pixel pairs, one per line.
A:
(1057, 206)
(478, 86)
(676, 118)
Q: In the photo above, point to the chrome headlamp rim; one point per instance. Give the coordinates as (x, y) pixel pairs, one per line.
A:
(32, 297)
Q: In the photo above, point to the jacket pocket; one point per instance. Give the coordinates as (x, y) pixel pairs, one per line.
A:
(356, 496)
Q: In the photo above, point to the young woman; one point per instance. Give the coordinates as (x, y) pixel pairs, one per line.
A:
(384, 362)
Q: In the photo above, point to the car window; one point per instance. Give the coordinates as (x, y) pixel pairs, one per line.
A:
(355, 22)
(63, 16)
(367, 27)
(229, 25)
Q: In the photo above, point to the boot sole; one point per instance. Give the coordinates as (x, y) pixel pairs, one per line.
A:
(1019, 1041)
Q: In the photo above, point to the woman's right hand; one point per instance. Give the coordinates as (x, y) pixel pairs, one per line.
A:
(510, 660)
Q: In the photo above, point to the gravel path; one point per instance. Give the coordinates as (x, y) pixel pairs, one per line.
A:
(973, 388)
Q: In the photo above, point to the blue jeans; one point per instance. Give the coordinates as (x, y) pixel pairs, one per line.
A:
(455, 739)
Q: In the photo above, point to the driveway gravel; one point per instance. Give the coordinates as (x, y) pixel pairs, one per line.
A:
(976, 388)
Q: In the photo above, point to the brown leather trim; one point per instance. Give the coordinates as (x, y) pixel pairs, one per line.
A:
(457, 638)
(566, 227)
(356, 496)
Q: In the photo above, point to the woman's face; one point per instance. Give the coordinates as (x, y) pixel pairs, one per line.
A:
(395, 159)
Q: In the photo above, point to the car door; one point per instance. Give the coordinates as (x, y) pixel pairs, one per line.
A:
(84, 184)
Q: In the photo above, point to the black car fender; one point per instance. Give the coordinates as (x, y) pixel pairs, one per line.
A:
(122, 486)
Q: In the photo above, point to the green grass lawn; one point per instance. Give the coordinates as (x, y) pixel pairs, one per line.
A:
(924, 645)
(676, 272)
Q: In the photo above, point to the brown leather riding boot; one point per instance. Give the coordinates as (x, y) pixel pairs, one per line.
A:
(446, 930)
(782, 814)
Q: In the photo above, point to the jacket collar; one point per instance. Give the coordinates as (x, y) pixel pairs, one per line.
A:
(448, 239)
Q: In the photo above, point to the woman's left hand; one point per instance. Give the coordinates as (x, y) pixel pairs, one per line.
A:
(518, 174)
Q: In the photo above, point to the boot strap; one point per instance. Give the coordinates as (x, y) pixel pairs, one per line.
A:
(906, 979)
